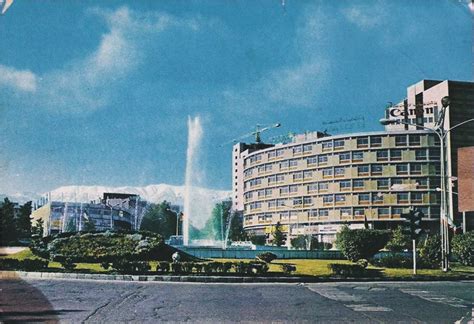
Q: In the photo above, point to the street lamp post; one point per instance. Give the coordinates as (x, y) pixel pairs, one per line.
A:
(441, 133)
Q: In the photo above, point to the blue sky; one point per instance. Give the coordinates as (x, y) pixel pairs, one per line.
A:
(99, 92)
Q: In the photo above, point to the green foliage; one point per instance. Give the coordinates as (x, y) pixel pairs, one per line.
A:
(103, 247)
(363, 263)
(66, 263)
(8, 231)
(266, 257)
(288, 268)
(299, 242)
(163, 267)
(399, 241)
(462, 247)
(88, 225)
(278, 236)
(347, 270)
(360, 243)
(393, 260)
(23, 265)
(71, 225)
(257, 239)
(430, 252)
(130, 267)
(160, 219)
(23, 221)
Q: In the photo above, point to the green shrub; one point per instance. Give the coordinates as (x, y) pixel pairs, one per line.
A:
(240, 267)
(463, 248)
(430, 252)
(163, 267)
(176, 267)
(288, 268)
(187, 267)
(131, 267)
(399, 241)
(359, 244)
(347, 270)
(105, 265)
(198, 267)
(393, 260)
(266, 257)
(23, 265)
(363, 263)
(257, 268)
(66, 263)
(226, 266)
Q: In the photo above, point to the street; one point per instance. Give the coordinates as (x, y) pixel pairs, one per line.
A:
(117, 301)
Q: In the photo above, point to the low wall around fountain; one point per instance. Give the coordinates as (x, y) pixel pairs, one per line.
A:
(281, 253)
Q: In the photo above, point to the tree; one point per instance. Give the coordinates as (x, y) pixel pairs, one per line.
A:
(463, 248)
(359, 244)
(237, 232)
(299, 242)
(71, 226)
(430, 251)
(399, 241)
(278, 236)
(38, 229)
(8, 233)
(160, 219)
(23, 221)
(88, 226)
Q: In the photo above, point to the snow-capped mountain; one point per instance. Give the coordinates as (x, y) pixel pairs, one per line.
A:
(151, 193)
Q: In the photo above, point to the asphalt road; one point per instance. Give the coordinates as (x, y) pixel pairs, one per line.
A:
(115, 301)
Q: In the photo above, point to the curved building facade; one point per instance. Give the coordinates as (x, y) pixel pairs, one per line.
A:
(318, 183)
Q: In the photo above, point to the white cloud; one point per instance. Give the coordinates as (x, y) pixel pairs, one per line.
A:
(88, 83)
(366, 16)
(22, 80)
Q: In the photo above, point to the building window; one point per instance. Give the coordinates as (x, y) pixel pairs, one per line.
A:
(344, 157)
(382, 184)
(323, 186)
(284, 216)
(271, 154)
(268, 192)
(328, 199)
(414, 140)
(358, 184)
(307, 201)
(313, 213)
(377, 198)
(326, 146)
(323, 212)
(312, 160)
(297, 201)
(363, 170)
(307, 174)
(402, 198)
(284, 190)
(281, 202)
(415, 169)
(293, 189)
(362, 142)
(261, 193)
(339, 171)
(297, 149)
(345, 211)
(382, 155)
(345, 185)
(293, 163)
(416, 197)
(420, 155)
(402, 169)
(396, 211)
(376, 169)
(327, 172)
(339, 144)
(272, 204)
(284, 165)
(357, 156)
(340, 199)
(435, 154)
(307, 148)
(312, 187)
(422, 183)
(383, 212)
(322, 159)
(297, 176)
(364, 198)
(400, 140)
(375, 141)
(279, 152)
(395, 155)
(359, 212)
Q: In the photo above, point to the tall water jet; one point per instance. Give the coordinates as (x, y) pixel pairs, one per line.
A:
(193, 176)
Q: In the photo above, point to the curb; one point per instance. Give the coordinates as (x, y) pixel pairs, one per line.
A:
(11, 275)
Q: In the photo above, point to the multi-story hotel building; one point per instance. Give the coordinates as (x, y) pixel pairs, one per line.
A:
(318, 183)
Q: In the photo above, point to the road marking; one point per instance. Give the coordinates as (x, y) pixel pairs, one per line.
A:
(338, 295)
(437, 298)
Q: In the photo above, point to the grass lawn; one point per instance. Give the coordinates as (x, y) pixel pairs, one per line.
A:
(304, 267)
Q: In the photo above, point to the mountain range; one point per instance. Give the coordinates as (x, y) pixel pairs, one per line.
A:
(152, 193)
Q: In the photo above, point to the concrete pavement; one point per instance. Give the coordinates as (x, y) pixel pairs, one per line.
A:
(119, 301)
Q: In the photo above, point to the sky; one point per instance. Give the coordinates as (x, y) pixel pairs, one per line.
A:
(99, 92)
